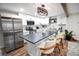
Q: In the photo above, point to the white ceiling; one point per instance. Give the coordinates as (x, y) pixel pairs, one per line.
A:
(73, 8)
(30, 8)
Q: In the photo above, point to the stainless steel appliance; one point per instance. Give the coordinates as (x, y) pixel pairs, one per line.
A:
(18, 30)
(12, 29)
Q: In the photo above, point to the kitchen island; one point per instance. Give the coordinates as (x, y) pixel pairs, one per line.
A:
(34, 39)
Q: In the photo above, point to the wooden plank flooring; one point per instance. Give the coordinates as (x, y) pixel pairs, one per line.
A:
(23, 51)
(18, 52)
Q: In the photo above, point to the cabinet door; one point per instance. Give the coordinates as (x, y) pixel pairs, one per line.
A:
(8, 34)
(1, 36)
(18, 24)
(18, 29)
(9, 43)
(18, 40)
(7, 25)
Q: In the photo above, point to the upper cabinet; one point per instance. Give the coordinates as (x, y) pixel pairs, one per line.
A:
(52, 20)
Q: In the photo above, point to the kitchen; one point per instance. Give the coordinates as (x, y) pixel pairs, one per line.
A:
(40, 28)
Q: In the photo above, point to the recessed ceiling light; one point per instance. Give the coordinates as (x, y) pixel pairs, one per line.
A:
(35, 13)
(21, 9)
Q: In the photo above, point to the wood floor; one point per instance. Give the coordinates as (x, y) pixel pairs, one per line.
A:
(18, 52)
(22, 52)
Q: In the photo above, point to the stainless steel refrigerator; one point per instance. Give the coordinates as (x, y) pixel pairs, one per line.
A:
(12, 29)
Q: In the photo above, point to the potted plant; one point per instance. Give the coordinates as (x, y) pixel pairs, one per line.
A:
(69, 36)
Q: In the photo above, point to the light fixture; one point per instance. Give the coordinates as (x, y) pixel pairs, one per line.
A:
(21, 9)
(42, 11)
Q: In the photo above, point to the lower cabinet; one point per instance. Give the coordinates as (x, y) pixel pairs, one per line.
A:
(18, 41)
(13, 42)
(9, 43)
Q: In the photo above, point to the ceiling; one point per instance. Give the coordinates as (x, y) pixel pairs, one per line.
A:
(31, 8)
(73, 8)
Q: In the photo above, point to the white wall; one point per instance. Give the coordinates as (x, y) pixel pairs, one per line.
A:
(62, 19)
(73, 24)
(36, 19)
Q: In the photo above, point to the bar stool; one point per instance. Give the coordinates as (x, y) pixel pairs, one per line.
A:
(47, 51)
(56, 50)
(63, 47)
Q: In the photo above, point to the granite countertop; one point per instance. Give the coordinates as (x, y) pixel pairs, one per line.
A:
(36, 37)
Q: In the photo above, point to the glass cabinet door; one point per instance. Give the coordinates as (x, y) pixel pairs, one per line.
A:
(9, 43)
(7, 25)
(18, 29)
(12, 29)
(8, 33)
(18, 25)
